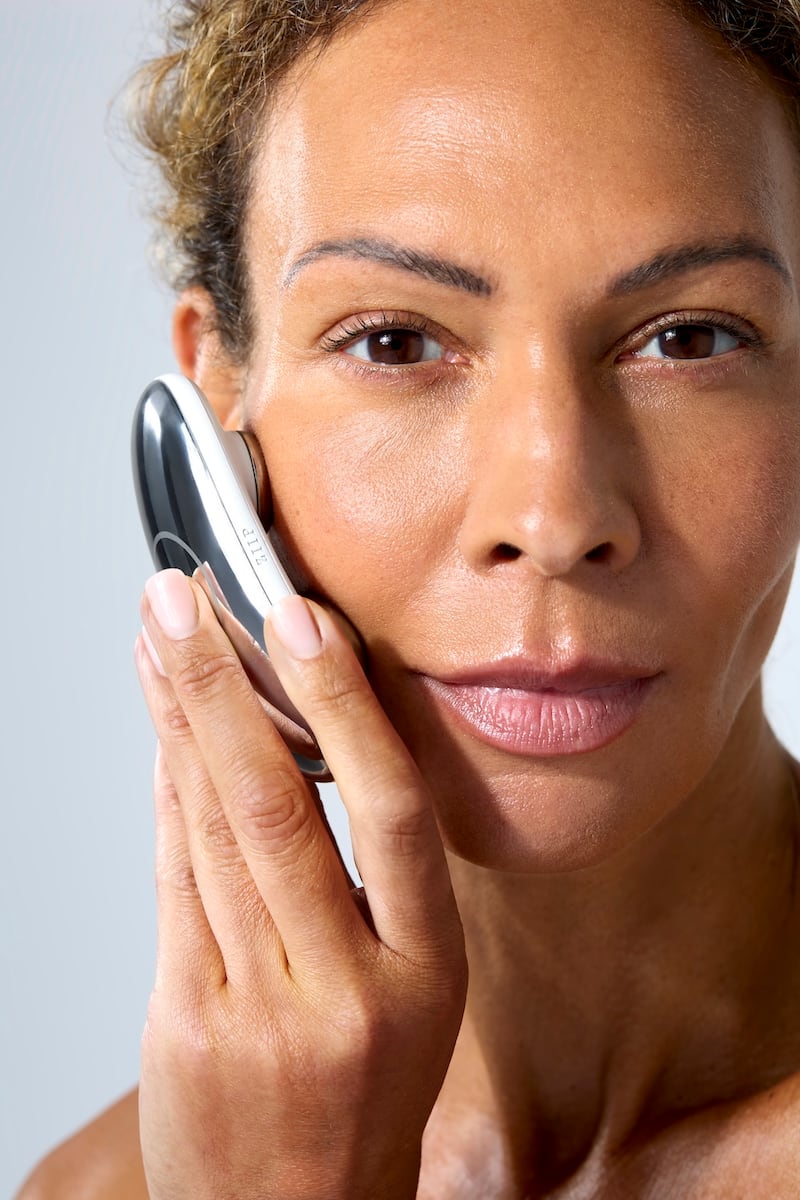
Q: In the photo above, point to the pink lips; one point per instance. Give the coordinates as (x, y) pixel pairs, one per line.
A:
(512, 705)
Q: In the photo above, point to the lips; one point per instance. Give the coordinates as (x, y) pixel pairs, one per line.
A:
(523, 709)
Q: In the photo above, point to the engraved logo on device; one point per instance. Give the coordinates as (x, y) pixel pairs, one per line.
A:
(255, 547)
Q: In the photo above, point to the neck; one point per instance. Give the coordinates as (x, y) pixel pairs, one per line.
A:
(610, 999)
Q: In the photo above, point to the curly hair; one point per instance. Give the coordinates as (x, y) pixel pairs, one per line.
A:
(197, 109)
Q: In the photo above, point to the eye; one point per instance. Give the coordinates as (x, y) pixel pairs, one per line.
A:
(687, 342)
(395, 348)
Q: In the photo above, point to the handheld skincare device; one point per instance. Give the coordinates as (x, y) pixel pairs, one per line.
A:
(197, 489)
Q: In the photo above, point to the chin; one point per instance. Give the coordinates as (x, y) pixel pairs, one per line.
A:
(560, 814)
(551, 826)
(584, 801)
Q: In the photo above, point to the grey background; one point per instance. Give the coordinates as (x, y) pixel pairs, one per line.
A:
(84, 326)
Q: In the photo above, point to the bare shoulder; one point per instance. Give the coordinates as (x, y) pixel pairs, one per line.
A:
(100, 1162)
(768, 1126)
(736, 1151)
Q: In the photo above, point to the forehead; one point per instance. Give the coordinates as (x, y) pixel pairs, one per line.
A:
(477, 119)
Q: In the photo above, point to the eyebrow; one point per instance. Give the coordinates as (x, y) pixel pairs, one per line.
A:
(429, 266)
(655, 270)
(692, 257)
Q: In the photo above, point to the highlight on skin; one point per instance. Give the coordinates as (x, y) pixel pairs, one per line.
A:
(197, 110)
(523, 363)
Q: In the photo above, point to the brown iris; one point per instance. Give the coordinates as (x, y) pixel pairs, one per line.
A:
(688, 341)
(396, 347)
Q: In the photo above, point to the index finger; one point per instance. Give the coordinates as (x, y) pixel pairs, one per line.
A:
(396, 840)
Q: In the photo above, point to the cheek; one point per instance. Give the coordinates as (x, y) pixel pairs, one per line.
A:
(750, 515)
(727, 514)
(365, 506)
(368, 502)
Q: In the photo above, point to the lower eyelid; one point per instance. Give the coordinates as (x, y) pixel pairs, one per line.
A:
(424, 378)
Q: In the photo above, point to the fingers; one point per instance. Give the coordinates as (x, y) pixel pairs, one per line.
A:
(233, 773)
(187, 949)
(205, 859)
(396, 841)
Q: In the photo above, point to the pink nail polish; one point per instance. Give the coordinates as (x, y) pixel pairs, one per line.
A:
(295, 628)
(172, 601)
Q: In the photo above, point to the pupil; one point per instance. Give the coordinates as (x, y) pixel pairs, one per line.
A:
(396, 347)
(688, 341)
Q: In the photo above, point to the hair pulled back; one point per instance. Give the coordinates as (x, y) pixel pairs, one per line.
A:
(197, 111)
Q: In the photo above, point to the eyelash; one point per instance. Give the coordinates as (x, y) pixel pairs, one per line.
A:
(738, 328)
(363, 325)
(357, 327)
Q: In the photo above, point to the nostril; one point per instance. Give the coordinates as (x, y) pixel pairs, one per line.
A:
(505, 552)
(600, 554)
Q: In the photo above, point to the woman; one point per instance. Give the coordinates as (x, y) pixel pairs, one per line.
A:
(506, 294)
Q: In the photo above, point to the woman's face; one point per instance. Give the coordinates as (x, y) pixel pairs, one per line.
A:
(562, 506)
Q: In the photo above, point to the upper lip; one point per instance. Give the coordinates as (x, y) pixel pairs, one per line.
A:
(525, 674)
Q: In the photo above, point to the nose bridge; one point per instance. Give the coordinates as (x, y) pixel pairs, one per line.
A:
(551, 478)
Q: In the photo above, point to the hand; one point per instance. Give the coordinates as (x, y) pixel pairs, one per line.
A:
(298, 1031)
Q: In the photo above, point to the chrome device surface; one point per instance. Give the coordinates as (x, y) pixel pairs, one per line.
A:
(197, 491)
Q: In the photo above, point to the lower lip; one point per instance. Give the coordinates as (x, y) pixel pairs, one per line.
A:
(545, 723)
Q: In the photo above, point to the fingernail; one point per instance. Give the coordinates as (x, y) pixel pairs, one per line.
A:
(151, 650)
(295, 628)
(172, 601)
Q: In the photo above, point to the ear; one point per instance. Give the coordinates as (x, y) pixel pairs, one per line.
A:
(201, 355)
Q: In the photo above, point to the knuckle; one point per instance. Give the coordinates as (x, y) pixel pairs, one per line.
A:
(337, 692)
(196, 1039)
(271, 807)
(182, 1032)
(216, 836)
(204, 676)
(175, 875)
(403, 827)
(357, 1028)
(165, 796)
(176, 722)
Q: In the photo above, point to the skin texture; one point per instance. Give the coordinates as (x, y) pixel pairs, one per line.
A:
(535, 440)
(541, 486)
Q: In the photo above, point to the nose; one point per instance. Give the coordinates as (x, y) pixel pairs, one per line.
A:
(552, 479)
